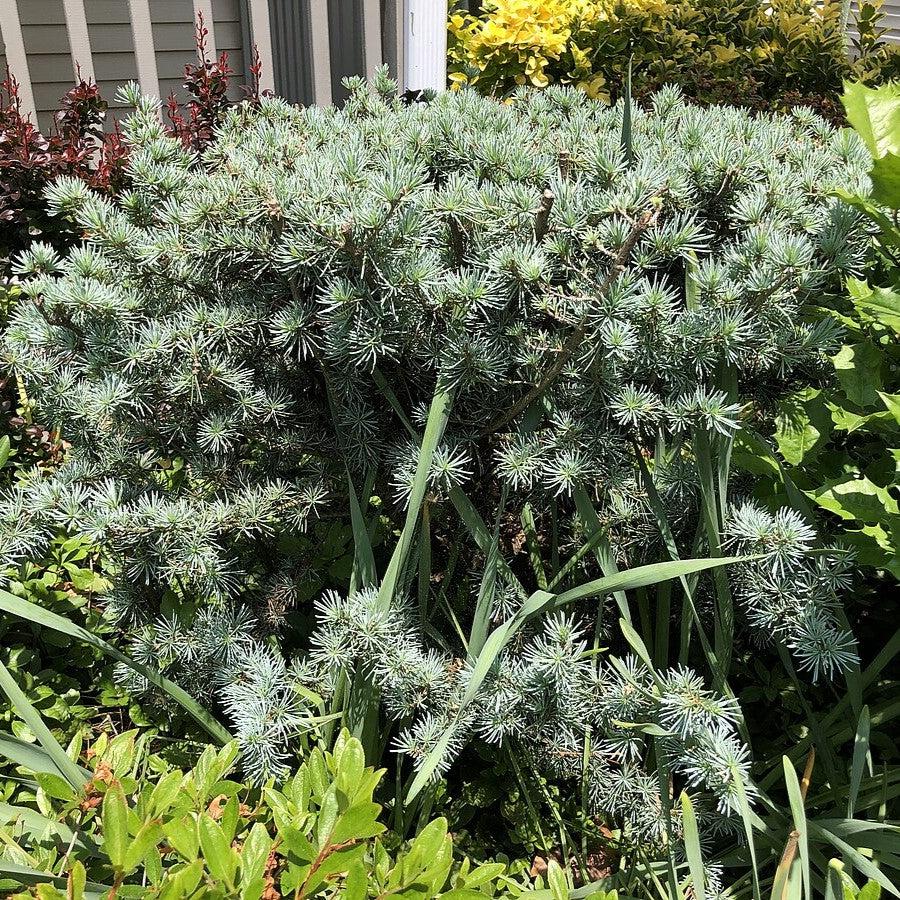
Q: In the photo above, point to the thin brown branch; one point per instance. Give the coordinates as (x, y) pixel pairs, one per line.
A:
(542, 216)
(577, 336)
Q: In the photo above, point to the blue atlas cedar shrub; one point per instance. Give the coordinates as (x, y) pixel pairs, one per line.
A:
(213, 352)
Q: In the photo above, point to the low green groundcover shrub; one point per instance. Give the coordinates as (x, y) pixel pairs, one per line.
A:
(139, 828)
(530, 330)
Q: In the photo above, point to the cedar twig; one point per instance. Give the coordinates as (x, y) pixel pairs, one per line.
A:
(577, 336)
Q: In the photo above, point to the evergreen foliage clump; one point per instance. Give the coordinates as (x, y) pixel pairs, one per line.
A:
(599, 290)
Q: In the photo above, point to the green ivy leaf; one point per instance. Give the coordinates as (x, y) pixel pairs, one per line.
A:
(858, 368)
(851, 497)
(880, 304)
(892, 402)
(802, 426)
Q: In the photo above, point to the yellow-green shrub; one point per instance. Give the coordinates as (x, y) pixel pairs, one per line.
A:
(755, 51)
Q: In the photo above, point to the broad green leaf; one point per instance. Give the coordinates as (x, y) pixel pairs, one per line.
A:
(221, 860)
(880, 304)
(114, 819)
(55, 786)
(147, 837)
(846, 420)
(356, 883)
(889, 234)
(165, 792)
(182, 835)
(752, 454)
(858, 369)
(358, 823)
(885, 175)
(874, 113)
(892, 402)
(802, 425)
(856, 498)
(4, 450)
(255, 853)
(77, 881)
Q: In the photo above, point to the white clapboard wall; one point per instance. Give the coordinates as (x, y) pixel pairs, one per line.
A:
(306, 46)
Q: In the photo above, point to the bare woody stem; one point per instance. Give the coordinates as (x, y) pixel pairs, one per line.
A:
(542, 217)
(575, 339)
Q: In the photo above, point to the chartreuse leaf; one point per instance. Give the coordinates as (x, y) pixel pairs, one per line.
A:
(885, 175)
(55, 786)
(358, 823)
(557, 882)
(356, 884)
(182, 835)
(147, 837)
(874, 114)
(31, 612)
(892, 402)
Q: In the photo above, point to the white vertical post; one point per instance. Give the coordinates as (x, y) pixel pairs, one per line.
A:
(261, 35)
(371, 36)
(79, 40)
(16, 58)
(204, 8)
(425, 44)
(144, 48)
(320, 51)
